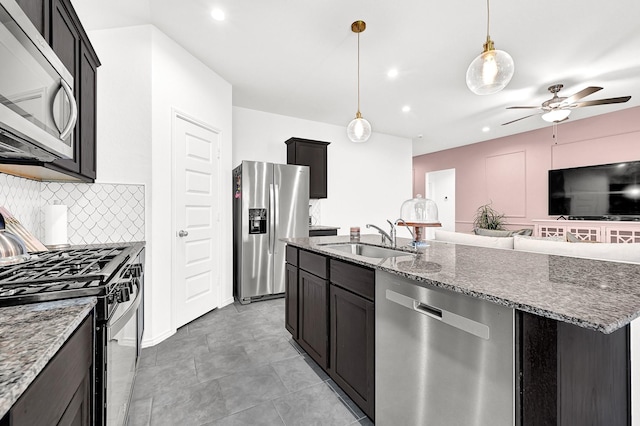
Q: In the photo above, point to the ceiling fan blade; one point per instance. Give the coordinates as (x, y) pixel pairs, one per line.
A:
(518, 119)
(619, 100)
(581, 94)
(523, 107)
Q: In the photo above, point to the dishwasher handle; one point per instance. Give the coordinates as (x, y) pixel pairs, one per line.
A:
(427, 310)
(458, 321)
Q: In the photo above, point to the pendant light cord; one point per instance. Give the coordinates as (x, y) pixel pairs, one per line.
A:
(358, 73)
(487, 19)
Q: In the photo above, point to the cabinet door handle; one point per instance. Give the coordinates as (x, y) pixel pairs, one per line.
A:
(182, 233)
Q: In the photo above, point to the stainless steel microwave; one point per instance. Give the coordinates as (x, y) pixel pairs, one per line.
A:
(38, 111)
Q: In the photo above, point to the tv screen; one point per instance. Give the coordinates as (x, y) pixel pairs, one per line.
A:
(607, 191)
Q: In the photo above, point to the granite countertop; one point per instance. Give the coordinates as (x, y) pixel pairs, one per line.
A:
(30, 335)
(592, 294)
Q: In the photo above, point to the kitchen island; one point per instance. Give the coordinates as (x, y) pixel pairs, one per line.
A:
(31, 336)
(572, 319)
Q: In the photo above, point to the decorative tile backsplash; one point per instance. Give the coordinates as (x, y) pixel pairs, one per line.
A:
(22, 198)
(96, 213)
(99, 213)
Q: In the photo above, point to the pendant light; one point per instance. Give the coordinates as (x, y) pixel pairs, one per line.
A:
(492, 70)
(359, 130)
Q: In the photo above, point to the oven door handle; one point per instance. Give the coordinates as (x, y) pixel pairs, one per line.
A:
(116, 324)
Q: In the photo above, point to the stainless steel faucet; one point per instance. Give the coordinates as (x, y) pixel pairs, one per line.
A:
(391, 238)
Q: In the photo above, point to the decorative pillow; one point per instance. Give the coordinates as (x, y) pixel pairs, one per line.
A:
(502, 232)
(573, 239)
(492, 232)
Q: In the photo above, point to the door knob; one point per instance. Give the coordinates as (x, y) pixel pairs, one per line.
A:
(182, 233)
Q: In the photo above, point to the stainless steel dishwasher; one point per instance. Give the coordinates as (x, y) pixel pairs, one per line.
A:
(442, 358)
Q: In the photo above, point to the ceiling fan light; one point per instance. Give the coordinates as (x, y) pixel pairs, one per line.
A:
(556, 115)
(359, 130)
(490, 72)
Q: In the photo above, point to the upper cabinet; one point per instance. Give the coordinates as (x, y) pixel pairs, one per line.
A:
(312, 153)
(58, 23)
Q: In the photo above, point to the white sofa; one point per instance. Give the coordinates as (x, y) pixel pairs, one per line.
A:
(552, 245)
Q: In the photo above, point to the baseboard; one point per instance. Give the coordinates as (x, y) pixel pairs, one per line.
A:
(146, 343)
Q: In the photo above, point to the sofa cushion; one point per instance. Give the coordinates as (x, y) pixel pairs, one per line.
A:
(502, 232)
(474, 240)
(621, 252)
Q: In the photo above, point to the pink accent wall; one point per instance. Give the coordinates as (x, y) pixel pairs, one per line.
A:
(512, 171)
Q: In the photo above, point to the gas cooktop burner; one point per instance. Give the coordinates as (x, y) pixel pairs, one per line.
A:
(62, 273)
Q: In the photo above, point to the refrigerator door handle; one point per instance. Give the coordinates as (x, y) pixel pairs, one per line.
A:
(271, 218)
(276, 215)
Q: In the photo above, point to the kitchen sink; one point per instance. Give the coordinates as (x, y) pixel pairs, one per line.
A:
(367, 250)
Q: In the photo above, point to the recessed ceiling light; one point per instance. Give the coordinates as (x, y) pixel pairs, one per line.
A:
(486, 129)
(217, 14)
(393, 73)
(406, 108)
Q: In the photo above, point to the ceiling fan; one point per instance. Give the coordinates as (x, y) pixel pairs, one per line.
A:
(558, 108)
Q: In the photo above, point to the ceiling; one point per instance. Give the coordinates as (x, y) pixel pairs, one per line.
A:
(299, 57)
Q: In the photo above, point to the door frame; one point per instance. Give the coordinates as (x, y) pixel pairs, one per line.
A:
(175, 115)
(450, 197)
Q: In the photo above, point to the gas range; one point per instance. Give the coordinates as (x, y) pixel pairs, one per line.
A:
(114, 274)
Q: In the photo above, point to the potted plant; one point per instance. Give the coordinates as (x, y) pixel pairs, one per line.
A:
(488, 218)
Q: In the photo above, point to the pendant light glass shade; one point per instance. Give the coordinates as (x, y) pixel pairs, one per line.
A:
(490, 71)
(359, 129)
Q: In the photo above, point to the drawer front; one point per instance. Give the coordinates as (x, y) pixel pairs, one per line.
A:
(322, 232)
(354, 278)
(292, 255)
(314, 263)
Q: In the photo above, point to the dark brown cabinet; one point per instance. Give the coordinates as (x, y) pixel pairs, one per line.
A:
(352, 331)
(307, 152)
(38, 13)
(352, 360)
(61, 394)
(59, 25)
(572, 376)
(313, 336)
(313, 313)
(330, 312)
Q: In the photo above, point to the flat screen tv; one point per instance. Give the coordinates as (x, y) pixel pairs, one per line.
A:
(604, 192)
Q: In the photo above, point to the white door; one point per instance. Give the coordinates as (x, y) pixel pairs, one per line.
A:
(196, 276)
(441, 188)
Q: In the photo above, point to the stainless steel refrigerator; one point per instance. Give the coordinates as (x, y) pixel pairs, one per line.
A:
(270, 201)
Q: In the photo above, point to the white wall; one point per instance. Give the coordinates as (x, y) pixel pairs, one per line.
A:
(183, 83)
(144, 75)
(366, 183)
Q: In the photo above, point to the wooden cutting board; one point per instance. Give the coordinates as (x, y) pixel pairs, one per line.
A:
(14, 226)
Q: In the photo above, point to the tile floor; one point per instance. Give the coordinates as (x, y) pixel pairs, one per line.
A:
(237, 366)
